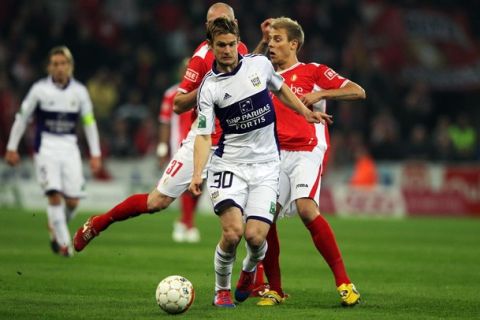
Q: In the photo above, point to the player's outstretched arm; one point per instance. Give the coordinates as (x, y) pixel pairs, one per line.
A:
(291, 100)
(201, 152)
(351, 91)
(184, 101)
(262, 47)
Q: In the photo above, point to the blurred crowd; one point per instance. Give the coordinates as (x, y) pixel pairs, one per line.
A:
(126, 52)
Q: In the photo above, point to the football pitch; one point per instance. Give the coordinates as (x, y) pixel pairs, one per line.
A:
(423, 268)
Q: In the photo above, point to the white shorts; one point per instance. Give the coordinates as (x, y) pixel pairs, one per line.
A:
(253, 188)
(300, 177)
(177, 176)
(60, 171)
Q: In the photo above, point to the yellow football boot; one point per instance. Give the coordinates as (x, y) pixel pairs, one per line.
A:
(349, 294)
(271, 298)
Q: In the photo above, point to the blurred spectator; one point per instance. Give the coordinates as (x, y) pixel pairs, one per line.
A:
(464, 138)
(442, 144)
(417, 107)
(385, 137)
(364, 170)
(104, 93)
(419, 147)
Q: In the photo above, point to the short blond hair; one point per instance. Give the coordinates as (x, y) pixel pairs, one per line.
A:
(292, 27)
(63, 50)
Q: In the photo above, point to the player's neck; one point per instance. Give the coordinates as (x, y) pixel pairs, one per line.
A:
(223, 68)
(62, 83)
(287, 64)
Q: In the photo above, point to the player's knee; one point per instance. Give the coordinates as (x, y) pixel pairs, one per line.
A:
(158, 202)
(307, 210)
(54, 197)
(232, 236)
(254, 238)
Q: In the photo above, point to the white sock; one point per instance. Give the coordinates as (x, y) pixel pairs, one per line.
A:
(254, 256)
(58, 222)
(223, 263)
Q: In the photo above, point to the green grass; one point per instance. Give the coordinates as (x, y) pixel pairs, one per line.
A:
(404, 269)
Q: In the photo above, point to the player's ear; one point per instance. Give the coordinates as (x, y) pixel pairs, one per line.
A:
(210, 44)
(294, 45)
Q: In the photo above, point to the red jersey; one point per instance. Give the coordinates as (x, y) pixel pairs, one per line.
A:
(294, 132)
(198, 66)
(179, 124)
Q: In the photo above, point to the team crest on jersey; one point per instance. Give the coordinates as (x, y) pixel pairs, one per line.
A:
(246, 106)
(202, 122)
(273, 207)
(294, 78)
(191, 75)
(255, 80)
(330, 74)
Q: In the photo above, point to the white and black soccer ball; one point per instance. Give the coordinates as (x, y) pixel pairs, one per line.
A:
(175, 294)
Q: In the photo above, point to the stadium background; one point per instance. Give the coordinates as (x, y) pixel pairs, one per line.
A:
(419, 63)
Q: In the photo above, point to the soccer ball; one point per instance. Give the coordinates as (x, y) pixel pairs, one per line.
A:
(175, 294)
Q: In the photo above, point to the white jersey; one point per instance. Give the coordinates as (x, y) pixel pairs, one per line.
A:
(241, 101)
(57, 111)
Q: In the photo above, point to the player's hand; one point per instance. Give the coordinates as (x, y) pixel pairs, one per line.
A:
(265, 27)
(311, 98)
(319, 117)
(196, 186)
(12, 158)
(95, 164)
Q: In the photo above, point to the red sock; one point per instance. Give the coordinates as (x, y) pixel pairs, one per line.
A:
(188, 203)
(259, 279)
(324, 240)
(271, 262)
(130, 207)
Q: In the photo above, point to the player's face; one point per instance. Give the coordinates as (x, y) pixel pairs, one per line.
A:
(59, 68)
(280, 49)
(225, 49)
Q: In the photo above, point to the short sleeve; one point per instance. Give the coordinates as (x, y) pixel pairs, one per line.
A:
(194, 74)
(206, 113)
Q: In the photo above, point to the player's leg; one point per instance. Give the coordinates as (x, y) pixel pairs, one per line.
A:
(184, 230)
(305, 189)
(259, 211)
(271, 262)
(48, 172)
(132, 206)
(60, 242)
(73, 183)
(232, 230)
(174, 182)
(71, 205)
(324, 239)
(228, 192)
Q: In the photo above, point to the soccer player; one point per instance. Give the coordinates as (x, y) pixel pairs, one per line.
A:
(58, 102)
(243, 172)
(172, 131)
(303, 152)
(177, 176)
(200, 63)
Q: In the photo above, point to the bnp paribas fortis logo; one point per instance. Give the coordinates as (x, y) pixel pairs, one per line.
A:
(255, 80)
(202, 122)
